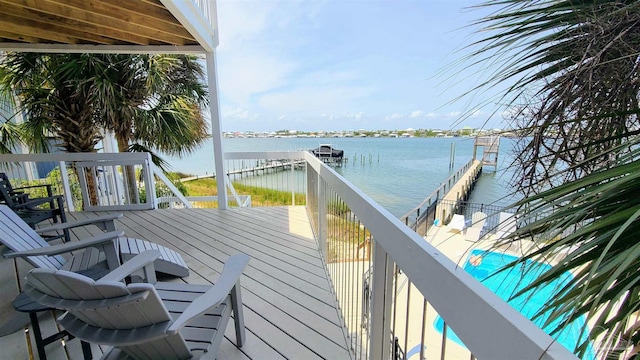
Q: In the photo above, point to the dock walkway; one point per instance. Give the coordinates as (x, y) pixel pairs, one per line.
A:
(458, 192)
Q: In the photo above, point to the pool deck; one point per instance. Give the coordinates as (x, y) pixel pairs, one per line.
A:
(453, 245)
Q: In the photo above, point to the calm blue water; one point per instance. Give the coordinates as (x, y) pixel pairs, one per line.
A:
(402, 171)
(507, 283)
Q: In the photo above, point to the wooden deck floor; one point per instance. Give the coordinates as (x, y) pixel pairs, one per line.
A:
(290, 311)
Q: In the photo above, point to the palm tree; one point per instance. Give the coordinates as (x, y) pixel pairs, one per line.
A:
(154, 101)
(57, 96)
(9, 130)
(150, 102)
(572, 74)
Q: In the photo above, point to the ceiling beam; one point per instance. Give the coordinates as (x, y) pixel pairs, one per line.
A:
(102, 49)
(169, 26)
(109, 26)
(133, 16)
(68, 25)
(34, 29)
(17, 37)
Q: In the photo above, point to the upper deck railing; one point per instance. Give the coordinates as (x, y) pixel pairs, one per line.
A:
(105, 181)
(388, 281)
(207, 7)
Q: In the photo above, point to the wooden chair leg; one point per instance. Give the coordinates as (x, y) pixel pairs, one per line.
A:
(238, 315)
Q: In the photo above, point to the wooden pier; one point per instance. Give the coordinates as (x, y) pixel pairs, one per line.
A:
(272, 165)
(456, 188)
(490, 148)
(259, 169)
(460, 191)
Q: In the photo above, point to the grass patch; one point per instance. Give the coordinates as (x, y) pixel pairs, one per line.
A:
(259, 196)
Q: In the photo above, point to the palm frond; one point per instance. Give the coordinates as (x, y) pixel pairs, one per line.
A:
(155, 158)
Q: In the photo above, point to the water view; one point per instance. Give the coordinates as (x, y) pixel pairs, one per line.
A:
(398, 173)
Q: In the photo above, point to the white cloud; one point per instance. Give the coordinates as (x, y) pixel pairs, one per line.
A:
(313, 100)
(247, 74)
(394, 116)
(253, 58)
(415, 114)
(258, 68)
(239, 21)
(237, 113)
(285, 64)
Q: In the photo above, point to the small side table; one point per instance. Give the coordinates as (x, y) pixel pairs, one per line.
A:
(24, 303)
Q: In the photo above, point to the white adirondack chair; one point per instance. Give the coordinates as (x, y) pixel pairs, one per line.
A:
(105, 250)
(144, 321)
(507, 225)
(472, 233)
(457, 223)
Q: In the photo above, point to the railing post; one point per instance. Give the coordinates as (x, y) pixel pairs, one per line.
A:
(292, 184)
(150, 184)
(381, 301)
(66, 188)
(82, 180)
(155, 171)
(322, 219)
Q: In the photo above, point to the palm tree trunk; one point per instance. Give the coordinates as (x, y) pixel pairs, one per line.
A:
(92, 191)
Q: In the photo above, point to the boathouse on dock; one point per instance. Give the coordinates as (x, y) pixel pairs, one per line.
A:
(328, 154)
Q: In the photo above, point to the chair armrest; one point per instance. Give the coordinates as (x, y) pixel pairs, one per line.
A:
(100, 220)
(140, 261)
(70, 246)
(230, 276)
(38, 201)
(48, 186)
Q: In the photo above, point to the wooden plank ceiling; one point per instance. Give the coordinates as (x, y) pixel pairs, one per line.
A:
(93, 22)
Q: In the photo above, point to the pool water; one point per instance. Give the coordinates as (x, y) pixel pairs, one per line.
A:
(506, 283)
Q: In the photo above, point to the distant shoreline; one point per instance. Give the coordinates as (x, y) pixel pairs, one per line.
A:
(289, 134)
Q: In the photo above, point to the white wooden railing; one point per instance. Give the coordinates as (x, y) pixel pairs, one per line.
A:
(369, 255)
(488, 326)
(102, 178)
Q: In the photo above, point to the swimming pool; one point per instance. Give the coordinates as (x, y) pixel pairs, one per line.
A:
(506, 283)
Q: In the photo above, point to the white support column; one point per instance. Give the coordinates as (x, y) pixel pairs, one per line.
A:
(216, 132)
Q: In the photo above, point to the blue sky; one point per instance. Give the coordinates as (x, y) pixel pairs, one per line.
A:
(345, 65)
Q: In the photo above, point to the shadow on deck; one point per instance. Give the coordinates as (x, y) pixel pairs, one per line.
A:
(290, 311)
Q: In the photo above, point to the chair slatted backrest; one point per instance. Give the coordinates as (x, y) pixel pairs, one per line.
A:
(18, 236)
(6, 191)
(110, 313)
(478, 219)
(508, 222)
